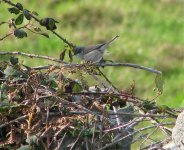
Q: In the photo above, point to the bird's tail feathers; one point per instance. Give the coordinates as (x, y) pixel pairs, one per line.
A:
(110, 41)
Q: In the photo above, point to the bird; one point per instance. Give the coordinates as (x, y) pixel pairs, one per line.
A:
(92, 53)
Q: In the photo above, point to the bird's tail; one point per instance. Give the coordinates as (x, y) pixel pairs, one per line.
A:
(110, 41)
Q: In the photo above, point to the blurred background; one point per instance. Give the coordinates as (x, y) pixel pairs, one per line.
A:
(151, 34)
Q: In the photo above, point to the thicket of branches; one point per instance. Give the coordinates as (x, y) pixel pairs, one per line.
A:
(42, 107)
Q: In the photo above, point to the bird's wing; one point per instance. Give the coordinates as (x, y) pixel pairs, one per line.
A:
(92, 48)
(100, 47)
(93, 56)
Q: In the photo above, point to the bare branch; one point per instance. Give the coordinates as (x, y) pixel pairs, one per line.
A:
(116, 64)
(33, 56)
(15, 120)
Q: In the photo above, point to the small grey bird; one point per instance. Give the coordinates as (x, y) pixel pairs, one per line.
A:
(92, 53)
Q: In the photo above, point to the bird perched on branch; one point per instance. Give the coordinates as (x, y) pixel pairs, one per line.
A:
(92, 53)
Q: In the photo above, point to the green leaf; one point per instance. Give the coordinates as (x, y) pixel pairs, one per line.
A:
(49, 23)
(87, 133)
(27, 14)
(13, 10)
(20, 33)
(76, 87)
(51, 81)
(19, 19)
(14, 60)
(70, 55)
(159, 82)
(19, 6)
(9, 71)
(62, 55)
(3, 94)
(44, 34)
(148, 105)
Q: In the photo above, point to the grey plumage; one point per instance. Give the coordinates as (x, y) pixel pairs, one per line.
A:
(92, 53)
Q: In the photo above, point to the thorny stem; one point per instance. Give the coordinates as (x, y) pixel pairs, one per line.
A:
(36, 19)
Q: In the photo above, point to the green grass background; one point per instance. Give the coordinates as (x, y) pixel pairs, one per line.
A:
(151, 34)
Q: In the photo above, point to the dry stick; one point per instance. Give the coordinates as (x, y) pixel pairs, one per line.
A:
(93, 136)
(101, 125)
(87, 143)
(136, 139)
(117, 117)
(119, 127)
(61, 141)
(77, 139)
(32, 56)
(156, 144)
(156, 122)
(47, 126)
(148, 137)
(134, 99)
(133, 133)
(121, 113)
(133, 66)
(15, 120)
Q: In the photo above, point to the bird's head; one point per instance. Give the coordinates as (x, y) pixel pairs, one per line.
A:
(77, 50)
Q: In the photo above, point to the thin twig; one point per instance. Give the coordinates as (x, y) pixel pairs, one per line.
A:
(47, 126)
(61, 141)
(107, 80)
(156, 122)
(131, 65)
(63, 39)
(119, 113)
(77, 139)
(15, 120)
(5, 36)
(32, 56)
(125, 96)
(9, 2)
(131, 134)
